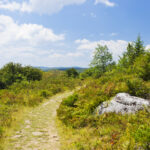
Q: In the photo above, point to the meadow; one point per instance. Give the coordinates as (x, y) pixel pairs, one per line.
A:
(86, 130)
(80, 126)
(23, 93)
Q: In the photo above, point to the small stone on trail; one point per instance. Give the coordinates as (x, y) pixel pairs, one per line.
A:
(28, 126)
(16, 136)
(37, 133)
(54, 136)
(27, 122)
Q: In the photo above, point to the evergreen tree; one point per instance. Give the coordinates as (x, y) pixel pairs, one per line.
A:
(134, 50)
(139, 47)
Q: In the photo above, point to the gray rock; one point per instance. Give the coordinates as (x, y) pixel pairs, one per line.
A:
(123, 103)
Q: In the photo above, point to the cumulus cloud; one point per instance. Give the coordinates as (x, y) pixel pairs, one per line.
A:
(116, 47)
(13, 6)
(24, 42)
(33, 44)
(105, 2)
(10, 31)
(46, 6)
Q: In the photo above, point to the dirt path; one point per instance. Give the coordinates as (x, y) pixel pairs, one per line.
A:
(38, 130)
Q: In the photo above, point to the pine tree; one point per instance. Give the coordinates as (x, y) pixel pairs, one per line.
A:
(139, 47)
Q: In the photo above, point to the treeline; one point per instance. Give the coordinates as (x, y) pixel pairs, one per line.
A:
(103, 80)
(136, 59)
(12, 73)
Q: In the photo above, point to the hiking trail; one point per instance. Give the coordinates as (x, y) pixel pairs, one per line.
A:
(38, 130)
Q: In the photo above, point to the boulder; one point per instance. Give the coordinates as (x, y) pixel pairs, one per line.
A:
(123, 103)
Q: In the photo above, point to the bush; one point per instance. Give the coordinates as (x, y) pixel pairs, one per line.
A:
(142, 66)
(137, 87)
(142, 136)
(1, 131)
(72, 73)
(44, 94)
(32, 74)
(2, 84)
(25, 92)
(114, 131)
(70, 100)
(12, 73)
(34, 100)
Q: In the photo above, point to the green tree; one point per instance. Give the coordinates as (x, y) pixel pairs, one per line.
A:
(134, 50)
(72, 73)
(10, 73)
(102, 58)
(13, 72)
(32, 74)
(139, 47)
(142, 66)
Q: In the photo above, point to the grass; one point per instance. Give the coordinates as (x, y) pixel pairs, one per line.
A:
(27, 95)
(15, 125)
(84, 130)
(41, 119)
(110, 132)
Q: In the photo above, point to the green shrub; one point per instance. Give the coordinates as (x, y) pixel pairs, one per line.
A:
(1, 131)
(142, 66)
(25, 92)
(12, 73)
(56, 90)
(137, 88)
(111, 130)
(45, 94)
(142, 136)
(34, 100)
(70, 101)
(72, 73)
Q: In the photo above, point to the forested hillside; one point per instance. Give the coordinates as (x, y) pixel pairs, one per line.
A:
(83, 128)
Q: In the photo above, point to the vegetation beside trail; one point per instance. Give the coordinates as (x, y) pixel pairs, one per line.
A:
(27, 87)
(83, 128)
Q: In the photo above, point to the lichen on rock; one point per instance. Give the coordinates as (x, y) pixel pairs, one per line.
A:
(123, 103)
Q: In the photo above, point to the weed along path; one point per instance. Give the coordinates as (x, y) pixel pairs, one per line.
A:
(38, 129)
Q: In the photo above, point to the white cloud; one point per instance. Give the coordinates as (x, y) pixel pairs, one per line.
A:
(11, 32)
(25, 42)
(105, 2)
(83, 41)
(12, 6)
(116, 47)
(32, 44)
(42, 7)
(46, 6)
(76, 54)
(148, 47)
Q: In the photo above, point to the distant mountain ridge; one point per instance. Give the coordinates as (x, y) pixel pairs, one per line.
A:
(80, 69)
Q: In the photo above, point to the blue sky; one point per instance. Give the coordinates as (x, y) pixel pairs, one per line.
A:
(65, 32)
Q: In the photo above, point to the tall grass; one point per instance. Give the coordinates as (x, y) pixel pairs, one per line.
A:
(108, 131)
(30, 94)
